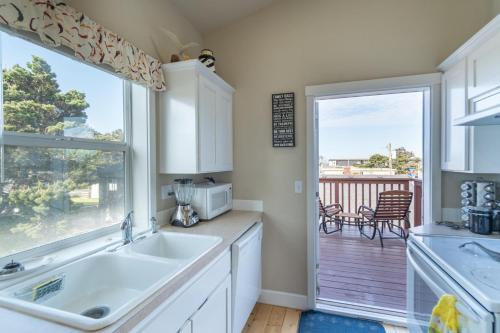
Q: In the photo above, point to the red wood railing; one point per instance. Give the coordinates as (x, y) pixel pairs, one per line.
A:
(352, 192)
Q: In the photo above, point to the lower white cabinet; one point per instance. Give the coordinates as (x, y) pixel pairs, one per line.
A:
(215, 313)
(202, 305)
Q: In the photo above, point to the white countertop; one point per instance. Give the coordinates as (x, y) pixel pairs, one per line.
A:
(433, 229)
(230, 226)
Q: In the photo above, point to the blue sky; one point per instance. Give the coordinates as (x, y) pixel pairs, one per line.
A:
(103, 91)
(358, 127)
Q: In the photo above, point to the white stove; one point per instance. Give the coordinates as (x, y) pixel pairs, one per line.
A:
(439, 265)
(470, 266)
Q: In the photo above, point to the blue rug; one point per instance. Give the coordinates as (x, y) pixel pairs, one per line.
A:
(317, 322)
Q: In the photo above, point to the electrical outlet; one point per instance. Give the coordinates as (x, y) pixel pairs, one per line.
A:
(298, 186)
(166, 192)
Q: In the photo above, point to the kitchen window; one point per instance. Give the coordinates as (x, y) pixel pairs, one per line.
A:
(66, 143)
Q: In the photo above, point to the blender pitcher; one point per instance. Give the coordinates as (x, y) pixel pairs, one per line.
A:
(184, 215)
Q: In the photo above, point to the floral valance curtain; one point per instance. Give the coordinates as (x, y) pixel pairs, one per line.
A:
(58, 24)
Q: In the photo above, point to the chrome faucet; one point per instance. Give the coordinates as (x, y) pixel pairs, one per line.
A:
(126, 228)
(153, 225)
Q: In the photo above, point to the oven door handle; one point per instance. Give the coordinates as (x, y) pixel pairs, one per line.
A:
(463, 308)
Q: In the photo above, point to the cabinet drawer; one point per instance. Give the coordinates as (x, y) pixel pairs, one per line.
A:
(170, 316)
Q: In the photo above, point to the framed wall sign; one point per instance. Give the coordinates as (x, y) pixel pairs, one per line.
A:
(283, 119)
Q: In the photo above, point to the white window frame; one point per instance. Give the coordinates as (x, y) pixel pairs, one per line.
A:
(39, 140)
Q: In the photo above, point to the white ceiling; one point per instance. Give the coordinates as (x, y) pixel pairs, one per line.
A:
(207, 16)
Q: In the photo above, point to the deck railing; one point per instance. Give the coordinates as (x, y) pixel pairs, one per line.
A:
(354, 191)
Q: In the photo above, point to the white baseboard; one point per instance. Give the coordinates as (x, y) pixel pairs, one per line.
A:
(451, 214)
(251, 205)
(280, 298)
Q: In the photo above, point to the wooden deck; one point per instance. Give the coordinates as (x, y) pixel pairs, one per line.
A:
(355, 269)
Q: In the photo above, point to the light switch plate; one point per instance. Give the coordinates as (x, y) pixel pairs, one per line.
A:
(166, 191)
(298, 186)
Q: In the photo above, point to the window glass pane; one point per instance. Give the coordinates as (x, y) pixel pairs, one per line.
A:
(49, 93)
(50, 194)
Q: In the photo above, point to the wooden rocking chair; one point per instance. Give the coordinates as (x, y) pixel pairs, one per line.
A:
(392, 206)
(328, 214)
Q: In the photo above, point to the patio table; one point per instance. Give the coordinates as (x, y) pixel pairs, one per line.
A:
(343, 218)
(349, 218)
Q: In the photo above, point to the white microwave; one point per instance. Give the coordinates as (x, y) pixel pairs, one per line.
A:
(212, 199)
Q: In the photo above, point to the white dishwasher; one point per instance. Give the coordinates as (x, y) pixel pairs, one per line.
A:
(246, 270)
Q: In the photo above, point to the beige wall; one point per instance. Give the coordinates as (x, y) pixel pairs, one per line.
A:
(495, 7)
(296, 43)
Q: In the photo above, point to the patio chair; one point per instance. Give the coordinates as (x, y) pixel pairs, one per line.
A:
(392, 206)
(328, 214)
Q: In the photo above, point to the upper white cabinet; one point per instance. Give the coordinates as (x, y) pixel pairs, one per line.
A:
(471, 100)
(484, 67)
(455, 139)
(196, 126)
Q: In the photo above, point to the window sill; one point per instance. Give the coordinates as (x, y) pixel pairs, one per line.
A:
(69, 254)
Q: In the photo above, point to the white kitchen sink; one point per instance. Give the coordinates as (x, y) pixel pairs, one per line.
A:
(175, 246)
(103, 285)
(96, 291)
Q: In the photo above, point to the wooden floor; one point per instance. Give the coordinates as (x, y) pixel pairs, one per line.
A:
(358, 270)
(267, 318)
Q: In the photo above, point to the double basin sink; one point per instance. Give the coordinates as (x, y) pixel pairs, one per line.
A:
(96, 291)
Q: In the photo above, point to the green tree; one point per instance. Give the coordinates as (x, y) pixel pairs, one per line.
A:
(34, 103)
(405, 160)
(377, 161)
(39, 181)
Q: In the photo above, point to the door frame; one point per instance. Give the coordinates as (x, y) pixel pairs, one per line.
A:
(430, 85)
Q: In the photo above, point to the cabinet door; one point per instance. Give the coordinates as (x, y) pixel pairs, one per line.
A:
(455, 139)
(215, 314)
(207, 106)
(484, 68)
(224, 131)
